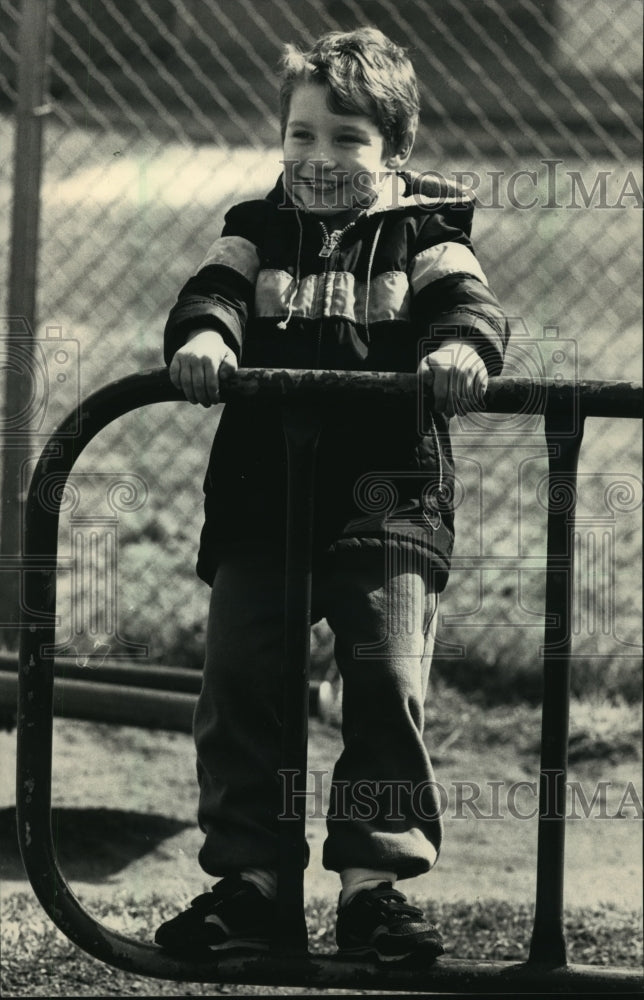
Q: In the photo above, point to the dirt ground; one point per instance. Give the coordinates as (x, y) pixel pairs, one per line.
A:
(124, 827)
(124, 817)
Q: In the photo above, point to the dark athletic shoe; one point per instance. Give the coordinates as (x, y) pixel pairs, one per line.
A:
(380, 923)
(234, 916)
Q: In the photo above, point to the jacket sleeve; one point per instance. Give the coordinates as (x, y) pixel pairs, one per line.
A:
(221, 293)
(451, 297)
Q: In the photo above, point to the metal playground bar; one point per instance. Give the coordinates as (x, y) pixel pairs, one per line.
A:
(565, 405)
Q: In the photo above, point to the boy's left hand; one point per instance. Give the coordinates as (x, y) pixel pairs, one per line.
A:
(457, 376)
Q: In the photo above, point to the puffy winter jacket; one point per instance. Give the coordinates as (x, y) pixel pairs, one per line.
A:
(288, 289)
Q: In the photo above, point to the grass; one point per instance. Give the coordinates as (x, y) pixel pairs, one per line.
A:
(39, 961)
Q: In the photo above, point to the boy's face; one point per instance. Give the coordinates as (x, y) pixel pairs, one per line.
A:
(332, 163)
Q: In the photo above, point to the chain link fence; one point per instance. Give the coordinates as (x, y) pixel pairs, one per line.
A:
(163, 113)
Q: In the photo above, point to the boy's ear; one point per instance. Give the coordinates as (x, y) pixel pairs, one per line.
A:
(397, 160)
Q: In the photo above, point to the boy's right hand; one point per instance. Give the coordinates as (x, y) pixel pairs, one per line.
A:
(196, 367)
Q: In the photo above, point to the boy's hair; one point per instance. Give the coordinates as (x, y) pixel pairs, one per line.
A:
(364, 73)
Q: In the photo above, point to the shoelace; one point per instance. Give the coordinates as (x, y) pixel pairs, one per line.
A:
(397, 904)
(208, 900)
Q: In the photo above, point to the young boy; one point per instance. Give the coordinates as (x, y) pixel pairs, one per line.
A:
(347, 264)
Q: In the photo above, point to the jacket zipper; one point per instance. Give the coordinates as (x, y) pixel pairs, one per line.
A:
(433, 516)
(330, 243)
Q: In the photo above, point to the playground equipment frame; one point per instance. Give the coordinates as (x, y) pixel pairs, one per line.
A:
(564, 405)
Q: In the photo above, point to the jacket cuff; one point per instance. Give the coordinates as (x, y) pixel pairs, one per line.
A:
(478, 332)
(184, 318)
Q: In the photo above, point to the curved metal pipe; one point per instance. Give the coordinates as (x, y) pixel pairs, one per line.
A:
(36, 688)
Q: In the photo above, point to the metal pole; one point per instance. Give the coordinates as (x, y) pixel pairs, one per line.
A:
(33, 41)
(301, 431)
(548, 945)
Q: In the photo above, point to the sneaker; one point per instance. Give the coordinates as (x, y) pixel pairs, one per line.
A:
(234, 916)
(381, 923)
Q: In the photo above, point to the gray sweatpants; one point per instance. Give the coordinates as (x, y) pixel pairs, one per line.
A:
(384, 811)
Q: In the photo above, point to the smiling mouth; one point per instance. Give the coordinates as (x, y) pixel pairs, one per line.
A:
(323, 186)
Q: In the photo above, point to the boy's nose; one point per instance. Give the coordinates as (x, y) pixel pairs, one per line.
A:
(322, 162)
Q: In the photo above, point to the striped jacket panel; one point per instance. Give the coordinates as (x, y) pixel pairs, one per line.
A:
(396, 283)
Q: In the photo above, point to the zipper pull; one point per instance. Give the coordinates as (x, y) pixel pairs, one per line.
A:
(331, 241)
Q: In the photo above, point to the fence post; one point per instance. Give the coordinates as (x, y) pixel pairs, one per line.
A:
(33, 44)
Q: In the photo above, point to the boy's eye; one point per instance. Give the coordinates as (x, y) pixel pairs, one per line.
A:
(300, 133)
(349, 138)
